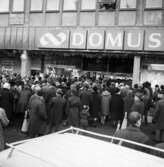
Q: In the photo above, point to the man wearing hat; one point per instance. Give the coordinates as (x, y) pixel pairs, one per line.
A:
(57, 109)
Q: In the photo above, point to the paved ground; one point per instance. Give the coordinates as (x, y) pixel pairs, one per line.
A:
(13, 132)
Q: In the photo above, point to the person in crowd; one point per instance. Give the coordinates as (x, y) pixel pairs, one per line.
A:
(37, 116)
(159, 118)
(57, 109)
(156, 93)
(133, 131)
(85, 95)
(128, 101)
(147, 99)
(117, 108)
(105, 105)
(84, 117)
(6, 100)
(95, 109)
(3, 122)
(138, 104)
(24, 99)
(73, 108)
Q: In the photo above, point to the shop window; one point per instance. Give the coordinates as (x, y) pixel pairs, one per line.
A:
(53, 5)
(153, 17)
(4, 7)
(36, 5)
(130, 17)
(18, 5)
(107, 4)
(127, 4)
(154, 3)
(69, 19)
(71, 4)
(106, 18)
(88, 4)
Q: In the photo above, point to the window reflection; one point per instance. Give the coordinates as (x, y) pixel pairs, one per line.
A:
(36, 4)
(53, 4)
(107, 4)
(153, 3)
(153, 17)
(126, 4)
(18, 5)
(88, 4)
(4, 7)
(71, 4)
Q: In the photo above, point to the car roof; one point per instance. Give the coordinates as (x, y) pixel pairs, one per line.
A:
(74, 150)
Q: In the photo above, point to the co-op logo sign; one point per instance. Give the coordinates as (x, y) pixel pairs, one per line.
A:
(111, 39)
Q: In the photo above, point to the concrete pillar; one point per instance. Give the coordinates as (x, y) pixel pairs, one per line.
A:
(136, 70)
(25, 64)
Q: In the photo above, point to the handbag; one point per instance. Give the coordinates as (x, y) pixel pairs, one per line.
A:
(25, 124)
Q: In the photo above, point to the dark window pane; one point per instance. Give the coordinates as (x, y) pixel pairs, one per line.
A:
(53, 4)
(18, 5)
(107, 4)
(126, 4)
(88, 4)
(130, 17)
(4, 7)
(36, 5)
(153, 3)
(71, 4)
(153, 17)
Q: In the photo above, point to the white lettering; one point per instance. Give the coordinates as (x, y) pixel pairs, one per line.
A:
(155, 42)
(50, 39)
(130, 40)
(95, 43)
(114, 41)
(77, 39)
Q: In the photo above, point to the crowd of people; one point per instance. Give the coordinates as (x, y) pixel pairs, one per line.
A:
(82, 102)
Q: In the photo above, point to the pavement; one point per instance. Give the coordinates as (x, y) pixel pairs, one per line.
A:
(13, 132)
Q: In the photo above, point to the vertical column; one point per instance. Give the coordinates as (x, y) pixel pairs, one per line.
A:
(136, 70)
(25, 64)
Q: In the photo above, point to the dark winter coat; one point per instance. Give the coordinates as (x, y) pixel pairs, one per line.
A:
(73, 110)
(138, 106)
(134, 134)
(117, 107)
(6, 102)
(159, 114)
(24, 100)
(105, 102)
(57, 109)
(128, 102)
(85, 97)
(95, 109)
(38, 117)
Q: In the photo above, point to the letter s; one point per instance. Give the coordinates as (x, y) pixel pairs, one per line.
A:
(155, 41)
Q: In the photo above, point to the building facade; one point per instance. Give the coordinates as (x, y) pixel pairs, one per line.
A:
(104, 36)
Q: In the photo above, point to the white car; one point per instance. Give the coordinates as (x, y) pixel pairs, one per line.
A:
(71, 148)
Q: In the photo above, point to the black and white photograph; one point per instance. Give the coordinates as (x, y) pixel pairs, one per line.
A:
(81, 83)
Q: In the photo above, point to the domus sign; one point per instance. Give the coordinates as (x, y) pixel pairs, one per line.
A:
(111, 39)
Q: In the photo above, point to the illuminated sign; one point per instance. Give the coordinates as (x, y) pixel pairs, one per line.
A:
(111, 39)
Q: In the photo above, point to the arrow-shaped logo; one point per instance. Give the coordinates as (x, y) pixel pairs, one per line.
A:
(50, 39)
